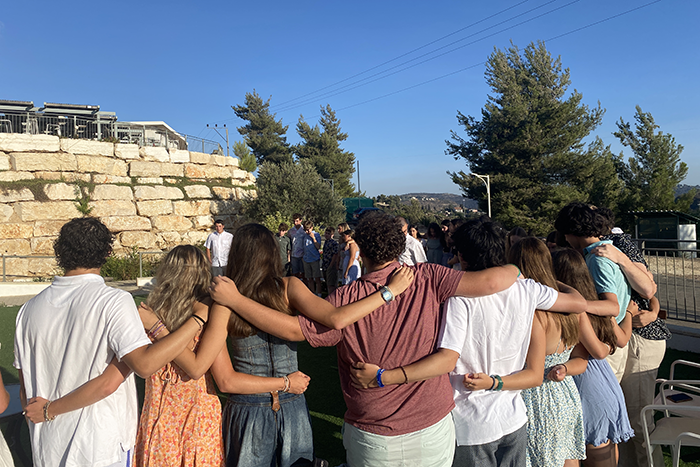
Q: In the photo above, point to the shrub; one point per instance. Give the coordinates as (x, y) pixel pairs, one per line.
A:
(126, 267)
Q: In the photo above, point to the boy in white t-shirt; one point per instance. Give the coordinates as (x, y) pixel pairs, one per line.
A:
(66, 336)
(485, 336)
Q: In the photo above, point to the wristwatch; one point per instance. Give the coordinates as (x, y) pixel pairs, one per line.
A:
(386, 294)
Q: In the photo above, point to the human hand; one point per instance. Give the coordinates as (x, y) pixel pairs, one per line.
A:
(557, 373)
(364, 375)
(298, 382)
(607, 250)
(477, 381)
(34, 410)
(400, 280)
(224, 291)
(148, 318)
(643, 318)
(633, 308)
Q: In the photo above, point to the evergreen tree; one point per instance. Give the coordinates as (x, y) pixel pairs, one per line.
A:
(289, 187)
(262, 133)
(529, 140)
(655, 169)
(246, 160)
(321, 147)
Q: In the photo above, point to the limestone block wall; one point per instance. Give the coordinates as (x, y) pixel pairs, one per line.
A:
(150, 198)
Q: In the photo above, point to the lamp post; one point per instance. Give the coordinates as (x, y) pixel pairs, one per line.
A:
(487, 181)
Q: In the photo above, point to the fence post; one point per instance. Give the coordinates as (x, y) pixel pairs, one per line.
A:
(140, 264)
(3, 267)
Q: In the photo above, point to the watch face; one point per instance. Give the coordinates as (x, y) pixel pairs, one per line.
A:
(386, 295)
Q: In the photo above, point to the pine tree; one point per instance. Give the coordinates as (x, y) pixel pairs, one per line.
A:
(529, 140)
(246, 160)
(262, 133)
(321, 147)
(655, 169)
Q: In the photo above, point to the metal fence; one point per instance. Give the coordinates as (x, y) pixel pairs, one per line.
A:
(98, 129)
(676, 268)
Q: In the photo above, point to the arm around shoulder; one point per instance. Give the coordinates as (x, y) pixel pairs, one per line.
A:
(487, 281)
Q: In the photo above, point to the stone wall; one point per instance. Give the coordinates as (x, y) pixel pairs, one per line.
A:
(150, 198)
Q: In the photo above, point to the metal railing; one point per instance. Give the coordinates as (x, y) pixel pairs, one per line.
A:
(676, 269)
(96, 129)
(141, 254)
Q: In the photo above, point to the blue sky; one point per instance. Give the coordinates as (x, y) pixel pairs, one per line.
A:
(186, 63)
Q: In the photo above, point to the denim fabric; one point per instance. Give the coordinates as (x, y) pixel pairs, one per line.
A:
(257, 436)
(264, 355)
(509, 451)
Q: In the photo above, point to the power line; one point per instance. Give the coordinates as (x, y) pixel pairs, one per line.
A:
(282, 104)
(368, 79)
(483, 62)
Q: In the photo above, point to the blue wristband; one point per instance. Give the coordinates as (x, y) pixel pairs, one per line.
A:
(379, 377)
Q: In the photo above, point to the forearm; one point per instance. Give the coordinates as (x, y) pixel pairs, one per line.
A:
(487, 282)
(569, 300)
(148, 359)
(638, 277)
(232, 382)
(603, 307)
(576, 366)
(4, 396)
(623, 331)
(436, 364)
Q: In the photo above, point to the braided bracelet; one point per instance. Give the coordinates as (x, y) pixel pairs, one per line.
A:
(287, 384)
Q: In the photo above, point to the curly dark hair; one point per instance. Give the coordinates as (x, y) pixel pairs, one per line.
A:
(608, 219)
(84, 242)
(482, 243)
(580, 220)
(380, 238)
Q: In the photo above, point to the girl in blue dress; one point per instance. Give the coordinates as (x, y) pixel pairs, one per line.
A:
(605, 418)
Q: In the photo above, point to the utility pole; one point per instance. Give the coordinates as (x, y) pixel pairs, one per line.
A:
(216, 128)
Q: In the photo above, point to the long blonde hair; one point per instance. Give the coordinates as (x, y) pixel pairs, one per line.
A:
(183, 278)
(254, 265)
(533, 258)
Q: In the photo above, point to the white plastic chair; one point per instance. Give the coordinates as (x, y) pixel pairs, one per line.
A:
(672, 387)
(671, 430)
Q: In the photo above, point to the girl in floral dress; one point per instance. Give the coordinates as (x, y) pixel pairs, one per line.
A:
(555, 420)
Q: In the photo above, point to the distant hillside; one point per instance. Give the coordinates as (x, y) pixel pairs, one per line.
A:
(437, 201)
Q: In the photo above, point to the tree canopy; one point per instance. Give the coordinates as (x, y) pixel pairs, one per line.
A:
(288, 188)
(320, 146)
(655, 168)
(530, 141)
(263, 133)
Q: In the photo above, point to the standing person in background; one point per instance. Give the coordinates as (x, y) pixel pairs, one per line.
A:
(434, 243)
(285, 244)
(351, 266)
(330, 258)
(312, 258)
(414, 252)
(218, 245)
(297, 235)
(342, 227)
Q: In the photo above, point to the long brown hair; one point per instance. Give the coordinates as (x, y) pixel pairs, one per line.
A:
(533, 258)
(254, 265)
(571, 269)
(183, 277)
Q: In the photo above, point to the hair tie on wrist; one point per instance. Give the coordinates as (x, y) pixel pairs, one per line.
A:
(405, 376)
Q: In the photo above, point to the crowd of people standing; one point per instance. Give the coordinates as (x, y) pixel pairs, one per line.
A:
(431, 377)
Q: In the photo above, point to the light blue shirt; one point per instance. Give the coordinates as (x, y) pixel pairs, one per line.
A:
(608, 278)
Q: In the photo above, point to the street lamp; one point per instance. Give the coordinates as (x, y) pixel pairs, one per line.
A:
(487, 181)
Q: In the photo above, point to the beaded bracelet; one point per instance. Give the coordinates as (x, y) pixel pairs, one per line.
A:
(46, 413)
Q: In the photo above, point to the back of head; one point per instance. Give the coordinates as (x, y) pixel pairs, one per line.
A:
(533, 258)
(84, 242)
(379, 237)
(580, 220)
(570, 268)
(254, 265)
(183, 277)
(608, 219)
(481, 243)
